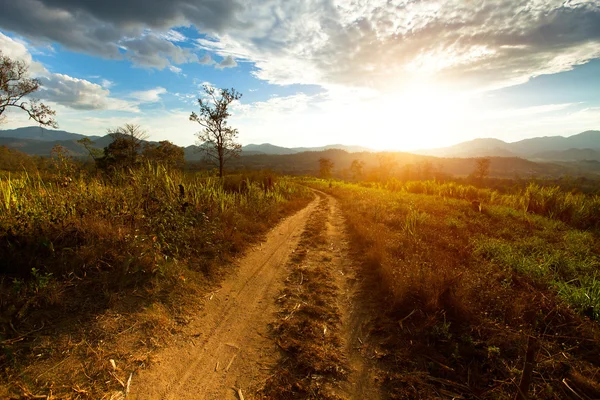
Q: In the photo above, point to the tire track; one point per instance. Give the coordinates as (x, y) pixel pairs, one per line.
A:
(229, 346)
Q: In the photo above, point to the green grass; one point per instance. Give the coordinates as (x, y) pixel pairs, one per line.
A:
(456, 289)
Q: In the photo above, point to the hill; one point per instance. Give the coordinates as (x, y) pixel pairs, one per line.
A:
(42, 134)
(548, 148)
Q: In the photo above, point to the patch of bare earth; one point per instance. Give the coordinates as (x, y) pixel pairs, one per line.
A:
(226, 351)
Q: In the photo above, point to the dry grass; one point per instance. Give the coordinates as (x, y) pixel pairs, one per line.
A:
(308, 328)
(96, 269)
(452, 310)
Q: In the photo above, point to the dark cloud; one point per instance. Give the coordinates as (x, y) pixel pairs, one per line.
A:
(376, 43)
(103, 27)
(227, 62)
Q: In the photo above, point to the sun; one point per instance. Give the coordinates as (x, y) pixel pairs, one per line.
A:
(421, 117)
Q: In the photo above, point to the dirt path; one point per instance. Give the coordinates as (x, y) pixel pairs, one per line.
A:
(361, 382)
(230, 346)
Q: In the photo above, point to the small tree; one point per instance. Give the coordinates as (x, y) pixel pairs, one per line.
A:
(15, 85)
(217, 140)
(325, 167)
(357, 168)
(125, 148)
(88, 143)
(482, 168)
(165, 153)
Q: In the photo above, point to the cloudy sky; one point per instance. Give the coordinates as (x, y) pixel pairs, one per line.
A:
(395, 74)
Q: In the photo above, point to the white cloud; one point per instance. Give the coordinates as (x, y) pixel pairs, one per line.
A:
(106, 84)
(61, 89)
(175, 69)
(17, 50)
(227, 62)
(148, 96)
(80, 94)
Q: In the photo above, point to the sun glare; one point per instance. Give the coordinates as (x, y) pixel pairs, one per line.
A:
(420, 118)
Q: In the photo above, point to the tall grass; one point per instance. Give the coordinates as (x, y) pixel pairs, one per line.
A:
(457, 289)
(138, 225)
(578, 210)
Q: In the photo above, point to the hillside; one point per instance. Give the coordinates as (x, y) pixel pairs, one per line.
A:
(549, 148)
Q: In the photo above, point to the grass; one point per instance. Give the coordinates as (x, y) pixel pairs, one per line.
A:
(308, 328)
(90, 264)
(456, 290)
(576, 209)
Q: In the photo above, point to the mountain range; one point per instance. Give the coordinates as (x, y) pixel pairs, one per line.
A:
(34, 140)
(581, 147)
(584, 146)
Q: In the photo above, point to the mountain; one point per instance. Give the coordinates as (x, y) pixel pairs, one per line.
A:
(44, 148)
(568, 155)
(42, 134)
(266, 148)
(548, 148)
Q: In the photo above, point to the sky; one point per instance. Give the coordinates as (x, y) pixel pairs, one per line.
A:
(386, 74)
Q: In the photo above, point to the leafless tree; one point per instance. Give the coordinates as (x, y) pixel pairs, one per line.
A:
(217, 140)
(15, 86)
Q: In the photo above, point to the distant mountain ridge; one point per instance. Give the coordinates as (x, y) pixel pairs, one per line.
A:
(548, 148)
(42, 134)
(585, 146)
(35, 140)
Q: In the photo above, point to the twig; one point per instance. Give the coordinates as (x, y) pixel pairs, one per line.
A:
(532, 348)
(230, 362)
(564, 381)
(240, 395)
(217, 366)
(128, 384)
(51, 368)
(117, 378)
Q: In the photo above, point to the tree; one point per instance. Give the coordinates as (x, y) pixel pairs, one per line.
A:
(88, 143)
(165, 153)
(217, 140)
(387, 164)
(125, 148)
(325, 167)
(357, 168)
(482, 168)
(15, 85)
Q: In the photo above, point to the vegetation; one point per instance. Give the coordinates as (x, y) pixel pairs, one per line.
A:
(217, 140)
(325, 167)
(457, 288)
(139, 244)
(15, 85)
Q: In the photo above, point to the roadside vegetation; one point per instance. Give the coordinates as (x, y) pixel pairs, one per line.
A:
(463, 283)
(87, 259)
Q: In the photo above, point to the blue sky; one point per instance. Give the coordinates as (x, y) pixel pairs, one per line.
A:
(387, 74)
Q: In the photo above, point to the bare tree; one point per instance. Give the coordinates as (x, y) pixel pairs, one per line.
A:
(15, 85)
(217, 140)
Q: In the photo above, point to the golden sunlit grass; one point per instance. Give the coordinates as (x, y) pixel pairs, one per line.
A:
(456, 289)
(96, 269)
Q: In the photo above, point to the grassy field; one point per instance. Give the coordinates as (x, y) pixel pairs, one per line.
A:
(89, 260)
(460, 280)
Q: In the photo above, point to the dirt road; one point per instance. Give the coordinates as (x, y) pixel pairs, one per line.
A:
(229, 346)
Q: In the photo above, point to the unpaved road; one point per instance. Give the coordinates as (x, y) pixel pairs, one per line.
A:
(228, 346)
